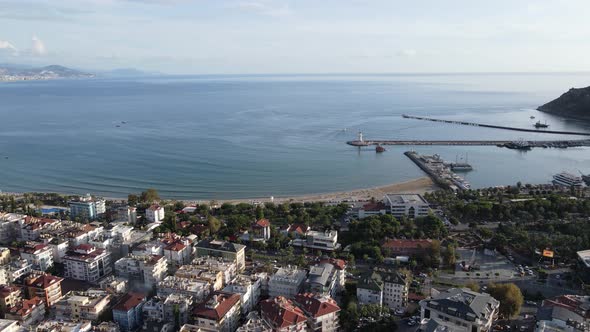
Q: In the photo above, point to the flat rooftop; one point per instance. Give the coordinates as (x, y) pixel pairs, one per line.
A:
(405, 199)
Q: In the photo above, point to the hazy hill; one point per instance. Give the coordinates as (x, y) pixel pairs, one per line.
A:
(574, 103)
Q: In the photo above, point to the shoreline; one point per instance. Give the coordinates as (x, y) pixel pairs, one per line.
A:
(416, 186)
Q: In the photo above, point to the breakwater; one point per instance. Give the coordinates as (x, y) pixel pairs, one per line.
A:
(475, 124)
(499, 143)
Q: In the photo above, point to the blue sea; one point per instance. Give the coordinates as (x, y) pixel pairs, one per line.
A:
(225, 137)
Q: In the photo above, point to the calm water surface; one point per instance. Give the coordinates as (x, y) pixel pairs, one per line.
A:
(257, 136)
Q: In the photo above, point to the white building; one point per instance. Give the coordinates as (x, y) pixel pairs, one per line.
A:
(327, 240)
(286, 282)
(127, 214)
(31, 228)
(254, 323)
(229, 269)
(27, 312)
(39, 255)
(198, 289)
(9, 227)
(249, 289)
(178, 253)
(232, 252)
(149, 269)
(82, 305)
(61, 326)
(14, 270)
(221, 312)
(369, 290)
(409, 205)
(87, 207)
(321, 311)
(322, 279)
(155, 213)
(85, 262)
(462, 309)
(59, 248)
(383, 287)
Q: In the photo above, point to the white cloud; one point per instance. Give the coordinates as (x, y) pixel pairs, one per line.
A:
(4, 45)
(38, 47)
(7, 48)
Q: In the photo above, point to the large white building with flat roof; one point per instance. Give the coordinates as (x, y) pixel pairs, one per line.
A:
(409, 205)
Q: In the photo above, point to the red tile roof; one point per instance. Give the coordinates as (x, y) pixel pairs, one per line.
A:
(34, 247)
(262, 223)
(297, 228)
(340, 264)
(85, 247)
(6, 290)
(42, 281)
(26, 307)
(281, 312)
(223, 303)
(316, 306)
(176, 246)
(129, 301)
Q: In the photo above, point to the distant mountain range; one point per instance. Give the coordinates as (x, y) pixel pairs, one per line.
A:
(16, 72)
(574, 103)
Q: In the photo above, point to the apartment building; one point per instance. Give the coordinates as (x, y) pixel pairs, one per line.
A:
(39, 255)
(283, 315)
(327, 241)
(249, 289)
(82, 305)
(321, 311)
(406, 205)
(86, 262)
(155, 213)
(9, 297)
(87, 207)
(385, 287)
(27, 312)
(198, 289)
(286, 282)
(462, 310)
(44, 286)
(149, 269)
(220, 313)
(228, 251)
(128, 312)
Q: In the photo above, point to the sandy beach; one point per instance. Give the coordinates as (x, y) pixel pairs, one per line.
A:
(419, 186)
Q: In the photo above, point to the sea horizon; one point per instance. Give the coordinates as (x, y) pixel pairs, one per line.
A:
(260, 136)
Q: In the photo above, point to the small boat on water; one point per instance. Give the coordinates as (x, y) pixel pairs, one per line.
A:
(541, 125)
(379, 149)
(532, 116)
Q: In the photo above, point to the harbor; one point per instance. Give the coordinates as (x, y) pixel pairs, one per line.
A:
(439, 171)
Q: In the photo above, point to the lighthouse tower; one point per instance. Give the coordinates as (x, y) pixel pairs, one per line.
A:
(360, 136)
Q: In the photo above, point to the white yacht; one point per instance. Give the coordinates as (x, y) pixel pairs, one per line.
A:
(568, 180)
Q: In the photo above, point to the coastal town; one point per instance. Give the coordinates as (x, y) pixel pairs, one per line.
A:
(506, 259)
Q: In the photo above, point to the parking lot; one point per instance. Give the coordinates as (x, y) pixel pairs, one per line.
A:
(486, 265)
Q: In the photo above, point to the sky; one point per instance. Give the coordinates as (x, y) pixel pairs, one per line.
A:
(298, 36)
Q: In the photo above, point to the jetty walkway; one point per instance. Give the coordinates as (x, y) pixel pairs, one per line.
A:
(474, 124)
(500, 143)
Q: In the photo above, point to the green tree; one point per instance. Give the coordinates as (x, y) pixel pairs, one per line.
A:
(150, 195)
(510, 298)
(214, 224)
(450, 256)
